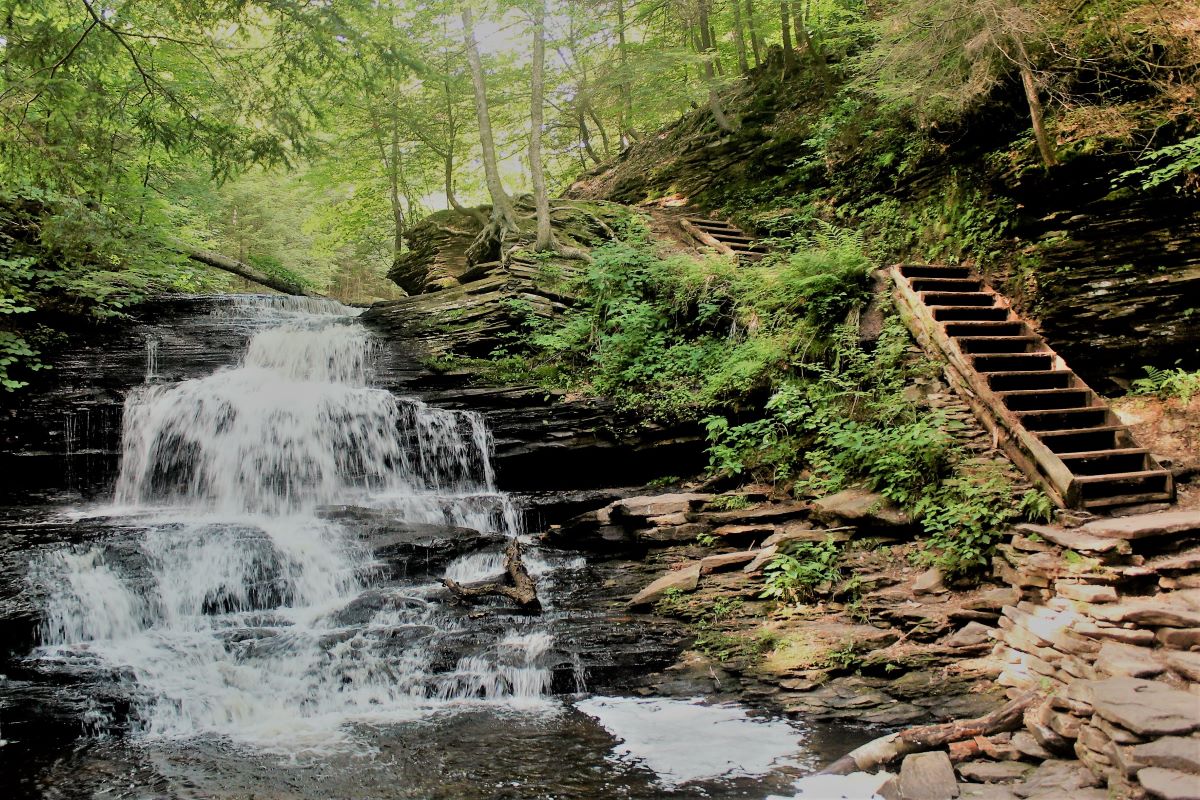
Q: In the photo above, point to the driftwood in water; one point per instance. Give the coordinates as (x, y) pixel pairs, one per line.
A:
(878, 753)
(521, 588)
(242, 269)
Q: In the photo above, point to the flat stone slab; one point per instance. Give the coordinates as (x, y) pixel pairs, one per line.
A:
(1073, 539)
(927, 776)
(726, 561)
(1147, 708)
(1171, 752)
(658, 505)
(994, 771)
(685, 580)
(860, 506)
(1185, 663)
(1141, 526)
(1169, 784)
(1149, 612)
(1123, 659)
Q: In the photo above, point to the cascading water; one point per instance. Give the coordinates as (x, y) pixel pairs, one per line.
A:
(238, 610)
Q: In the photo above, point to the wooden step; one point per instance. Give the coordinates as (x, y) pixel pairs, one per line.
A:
(1059, 418)
(1102, 462)
(1010, 362)
(985, 327)
(999, 344)
(713, 225)
(1046, 399)
(957, 298)
(1124, 488)
(1022, 380)
(946, 284)
(934, 271)
(949, 313)
(1077, 440)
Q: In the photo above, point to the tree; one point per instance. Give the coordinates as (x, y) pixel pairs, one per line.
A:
(503, 220)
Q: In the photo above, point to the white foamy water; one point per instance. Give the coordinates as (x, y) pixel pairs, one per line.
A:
(239, 611)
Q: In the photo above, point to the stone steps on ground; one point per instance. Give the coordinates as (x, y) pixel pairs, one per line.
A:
(1050, 422)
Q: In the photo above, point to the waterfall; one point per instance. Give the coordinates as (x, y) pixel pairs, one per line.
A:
(238, 609)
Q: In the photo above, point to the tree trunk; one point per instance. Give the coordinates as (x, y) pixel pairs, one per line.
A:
(242, 269)
(878, 753)
(626, 88)
(789, 55)
(739, 38)
(752, 24)
(1045, 146)
(545, 234)
(504, 219)
(800, 21)
(708, 51)
(394, 185)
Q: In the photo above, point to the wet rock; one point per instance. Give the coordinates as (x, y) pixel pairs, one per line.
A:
(683, 580)
(1148, 708)
(409, 548)
(1169, 784)
(927, 776)
(862, 508)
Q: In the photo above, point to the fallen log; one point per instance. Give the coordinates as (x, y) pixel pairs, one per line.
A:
(521, 587)
(879, 753)
(242, 269)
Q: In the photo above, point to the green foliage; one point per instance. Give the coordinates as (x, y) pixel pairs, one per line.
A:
(1036, 506)
(799, 571)
(1177, 163)
(729, 502)
(963, 518)
(673, 337)
(1175, 383)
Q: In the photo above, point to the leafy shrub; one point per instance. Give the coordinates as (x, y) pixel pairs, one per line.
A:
(1168, 383)
(796, 574)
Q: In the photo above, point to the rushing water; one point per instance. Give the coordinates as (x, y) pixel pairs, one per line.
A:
(235, 609)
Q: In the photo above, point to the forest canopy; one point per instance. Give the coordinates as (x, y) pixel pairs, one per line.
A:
(306, 138)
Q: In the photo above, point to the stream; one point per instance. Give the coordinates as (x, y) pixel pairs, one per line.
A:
(256, 610)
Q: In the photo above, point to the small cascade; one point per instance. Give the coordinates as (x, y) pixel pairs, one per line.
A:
(241, 610)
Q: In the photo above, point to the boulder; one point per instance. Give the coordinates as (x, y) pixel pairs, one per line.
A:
(973, 634)
(684, 580)
(1147, 708)
(860, 507)
(931, 581)
(927, 776)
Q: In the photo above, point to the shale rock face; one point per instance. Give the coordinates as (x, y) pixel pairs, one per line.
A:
(437, 254)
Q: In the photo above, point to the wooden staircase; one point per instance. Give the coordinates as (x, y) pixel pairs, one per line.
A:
(1050, 423)
(724, 238)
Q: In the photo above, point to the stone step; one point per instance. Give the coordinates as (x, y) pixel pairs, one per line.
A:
(999, 344)
(1046, 399)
